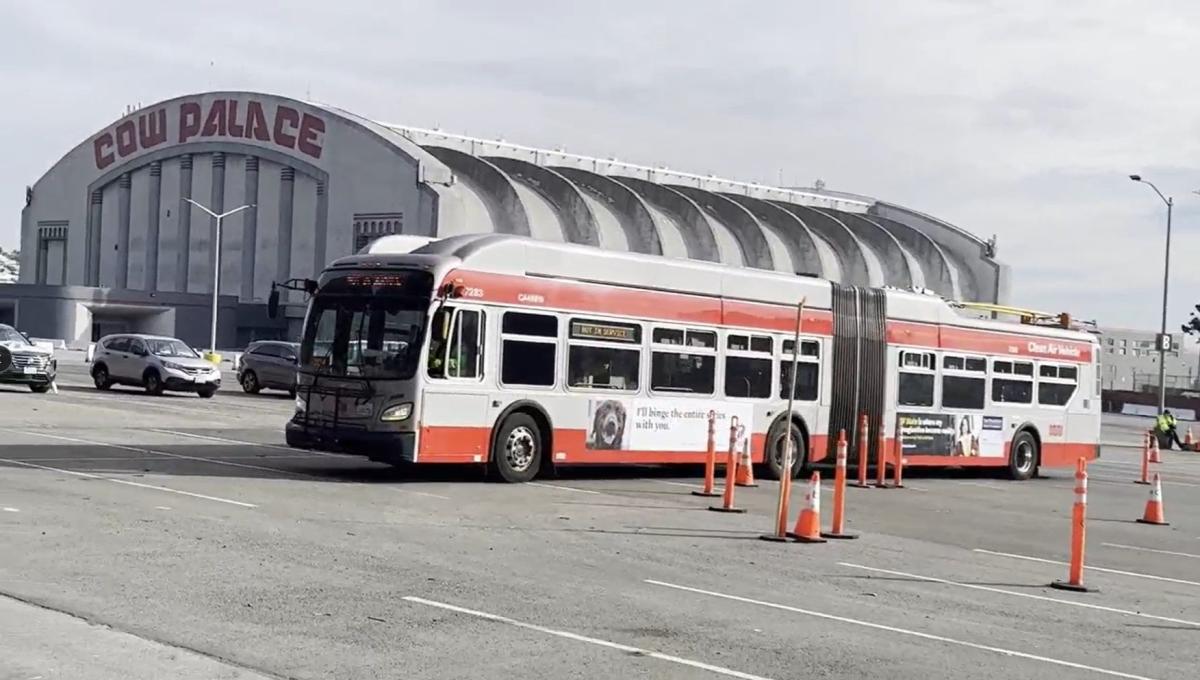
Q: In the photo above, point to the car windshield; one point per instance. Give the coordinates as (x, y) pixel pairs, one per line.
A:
(170, 348)
(367, 325)
(10, 334)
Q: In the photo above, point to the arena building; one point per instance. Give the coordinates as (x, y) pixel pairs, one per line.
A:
(110, 241)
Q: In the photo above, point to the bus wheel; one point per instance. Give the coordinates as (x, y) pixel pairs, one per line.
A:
(776, 442)
(1023, 456)
(517, 451)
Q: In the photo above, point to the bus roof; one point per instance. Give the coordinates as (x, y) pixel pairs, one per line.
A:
(523, 256)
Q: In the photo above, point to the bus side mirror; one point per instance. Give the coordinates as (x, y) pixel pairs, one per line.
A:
(273, 304)
(310, 287)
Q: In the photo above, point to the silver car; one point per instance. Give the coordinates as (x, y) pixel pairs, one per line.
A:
(154, 363)
(269, 364)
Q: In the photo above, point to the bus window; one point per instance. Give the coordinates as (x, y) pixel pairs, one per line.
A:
(1056, 384)
(748, 366)
(963, 391)
(528, 349)
(692, 371)
(916, 379)
(454, 347)
(603, 362)
(1008, 385)
(808, 370)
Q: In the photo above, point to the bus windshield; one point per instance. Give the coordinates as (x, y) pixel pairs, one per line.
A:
(367, 325)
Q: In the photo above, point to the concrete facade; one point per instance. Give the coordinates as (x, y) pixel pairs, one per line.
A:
(108, 229)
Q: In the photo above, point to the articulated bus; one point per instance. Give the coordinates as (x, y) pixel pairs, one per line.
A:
(522, 355)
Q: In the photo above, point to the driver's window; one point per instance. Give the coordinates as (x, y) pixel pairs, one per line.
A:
(456, 342)
(138, 348)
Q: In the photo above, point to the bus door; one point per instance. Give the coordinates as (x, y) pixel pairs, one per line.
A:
(454, 402)
(859, 364)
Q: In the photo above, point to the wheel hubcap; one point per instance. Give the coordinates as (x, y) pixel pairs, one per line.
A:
(520, 449)
(1024, 455)
(781, 447)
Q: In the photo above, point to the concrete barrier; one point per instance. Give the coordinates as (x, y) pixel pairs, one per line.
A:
(1152, 411)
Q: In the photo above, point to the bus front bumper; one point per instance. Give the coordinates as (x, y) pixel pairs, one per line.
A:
(384, 447)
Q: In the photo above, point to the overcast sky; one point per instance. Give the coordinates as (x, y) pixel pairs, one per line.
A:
(1015, 118)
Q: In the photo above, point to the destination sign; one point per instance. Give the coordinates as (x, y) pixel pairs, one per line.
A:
(594, 330)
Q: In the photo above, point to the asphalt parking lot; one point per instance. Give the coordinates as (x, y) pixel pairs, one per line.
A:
(150, 537)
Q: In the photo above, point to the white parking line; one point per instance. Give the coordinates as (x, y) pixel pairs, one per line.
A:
(1031, 596)
(563, 488)
(903, 631)
(1152, 550)
(1089, 567)
(628, 649)
(126, 482)
(214, 461)
(982, 485)
(1165, 482)
(7, 509)
(226, 440)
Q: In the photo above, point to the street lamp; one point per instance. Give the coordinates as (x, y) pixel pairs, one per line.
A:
(1162, 349)
(212, 343)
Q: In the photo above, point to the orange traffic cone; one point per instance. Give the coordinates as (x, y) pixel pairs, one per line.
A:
(745, 468)
(1155, 455)
(808, 524)
(1154, 506)
(1187, 439)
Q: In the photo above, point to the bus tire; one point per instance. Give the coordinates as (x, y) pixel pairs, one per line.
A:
(773, 455)
(518, 449)
(1023, 456)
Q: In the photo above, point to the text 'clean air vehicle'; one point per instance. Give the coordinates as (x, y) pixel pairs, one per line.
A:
(522, 354)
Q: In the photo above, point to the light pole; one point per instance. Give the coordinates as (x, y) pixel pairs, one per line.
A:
(1162, 351)
(212, 340)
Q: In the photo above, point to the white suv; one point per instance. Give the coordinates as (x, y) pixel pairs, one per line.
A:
(154, 363)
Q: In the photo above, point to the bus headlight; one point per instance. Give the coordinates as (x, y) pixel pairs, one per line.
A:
(397, 413)
(300, 405)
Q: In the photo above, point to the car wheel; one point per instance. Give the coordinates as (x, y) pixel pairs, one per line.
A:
(100, 377)
(40, 389)
(776, 442)
(517, 449)
(250, 383)
(206, 392)
(153, 383)
(1023, 456)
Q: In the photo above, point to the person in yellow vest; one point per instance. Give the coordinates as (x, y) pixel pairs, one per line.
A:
(1164, 426)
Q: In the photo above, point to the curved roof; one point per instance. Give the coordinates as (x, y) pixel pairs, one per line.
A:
(555, 196)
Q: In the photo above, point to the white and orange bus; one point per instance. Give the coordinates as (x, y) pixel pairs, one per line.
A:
(523, 354)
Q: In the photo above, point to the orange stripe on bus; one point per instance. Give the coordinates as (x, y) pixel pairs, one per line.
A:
(531, 292)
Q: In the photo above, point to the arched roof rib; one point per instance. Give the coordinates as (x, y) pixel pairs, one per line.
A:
(497, 190)
(578, 223)
(849, 249)
(744, 227)
(806, 258)
(941, 275)
(892, 258)
(636, 220)
(698, 235)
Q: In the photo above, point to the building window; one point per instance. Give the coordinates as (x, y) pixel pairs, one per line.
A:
(51, 263)
(371, 226)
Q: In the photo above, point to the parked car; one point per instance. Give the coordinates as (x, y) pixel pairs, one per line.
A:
(155, 363)
(24, 363)
(269, 364)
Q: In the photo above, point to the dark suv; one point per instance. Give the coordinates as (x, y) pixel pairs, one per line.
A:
(23, 362)
(269, 364)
